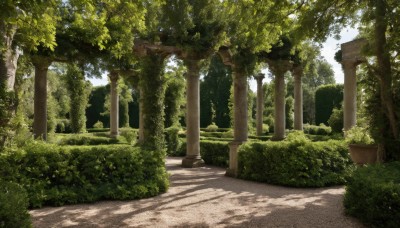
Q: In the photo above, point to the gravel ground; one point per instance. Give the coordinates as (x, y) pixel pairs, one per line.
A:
(204, 197)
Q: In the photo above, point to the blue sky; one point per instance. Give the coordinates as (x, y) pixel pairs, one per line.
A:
(329, 48)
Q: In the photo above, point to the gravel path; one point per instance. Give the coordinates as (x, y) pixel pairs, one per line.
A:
(204, 197)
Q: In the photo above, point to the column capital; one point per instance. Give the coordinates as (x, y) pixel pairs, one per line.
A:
(279, 67)
(259, 77)
(114, 76)
(297, 71)
(349, 63)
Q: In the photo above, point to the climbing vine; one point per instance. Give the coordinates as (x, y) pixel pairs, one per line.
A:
(79, 91)
(152, 83)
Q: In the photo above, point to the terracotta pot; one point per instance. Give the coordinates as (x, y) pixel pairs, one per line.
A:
(363, 154)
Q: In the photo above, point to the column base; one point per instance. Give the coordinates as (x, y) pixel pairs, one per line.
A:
(277, 138)
(231, 173)
(114, 134)
(188, 162)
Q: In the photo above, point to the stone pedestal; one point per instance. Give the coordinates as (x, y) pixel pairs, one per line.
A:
(40, 98)
(349, 94)
(232, 171)
(260, 104)
(298, 98)
(114, 111)
(193, 158)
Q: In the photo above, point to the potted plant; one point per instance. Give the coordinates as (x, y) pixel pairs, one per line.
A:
(362, 146)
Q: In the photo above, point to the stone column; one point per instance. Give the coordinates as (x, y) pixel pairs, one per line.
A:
(40, 98)
(279, 68)
(298, 98)
(260, 104)
(240, 119)
(193, 158)
(349, 94)
(141, 118)
(114, 112)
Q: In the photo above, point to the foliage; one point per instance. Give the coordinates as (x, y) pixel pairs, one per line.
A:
(335, 121)
(82, 139)
(373, 195)
(212, 128)
(54, 175)
(129, 134)
(13, 206)
(317, 130)
(174, 95)
(327, 97)
(289, 112)
(153, 86)
(358, 135)
(297, 162)
(79, 91)
(215, 93)
(63, 126)
(125, 97)
(97, 100)
(98, 124)
(297, 137)
(172, 140)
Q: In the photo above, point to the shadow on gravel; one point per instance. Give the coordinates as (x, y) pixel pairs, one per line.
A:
(207, 198)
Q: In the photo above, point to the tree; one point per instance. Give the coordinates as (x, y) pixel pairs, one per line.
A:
(174, 95)
(215, 91)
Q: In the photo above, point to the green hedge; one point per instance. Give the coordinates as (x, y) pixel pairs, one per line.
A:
(55, 175)
(317, 130)
(373, 195)
(91, 130)
(327, 97)
(213, 152)
(78, 139)
(298, 163)
(13, 206)
(212, 134)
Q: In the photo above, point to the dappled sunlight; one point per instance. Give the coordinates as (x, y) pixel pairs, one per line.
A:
(204, 197)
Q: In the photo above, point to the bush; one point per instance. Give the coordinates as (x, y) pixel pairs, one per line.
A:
(63, 126)
(212, 128)
(98, 124)
(129, 134)
(77, 139)
(296, 162)
(212, 152)
(327, 97)
(95, 130)
(172, 140)
(54, 175)
(227, 134)
(335, 121)
(212, 134)
(373, 195)
(317, 130)
(13, 206)
(215, 153)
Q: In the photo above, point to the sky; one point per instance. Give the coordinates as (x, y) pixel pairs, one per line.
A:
(329, 48)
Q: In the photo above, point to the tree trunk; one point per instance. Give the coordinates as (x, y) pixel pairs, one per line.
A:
(384, 67)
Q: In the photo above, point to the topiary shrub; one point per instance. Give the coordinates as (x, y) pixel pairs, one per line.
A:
(327, 97)
(63, 126)
(373, 195)
(98, 124)
(317, 130)
(13, 206)
(172, 140)
(54, 175)
(212, 134)
(295, 162)
(335, 121)
(212, 127)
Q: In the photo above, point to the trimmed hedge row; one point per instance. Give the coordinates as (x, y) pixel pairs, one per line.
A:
(298, 163)
(317, 130)
(77, 139)
(54, 175)
(13, 206)
(373, 195)
(213, 152)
